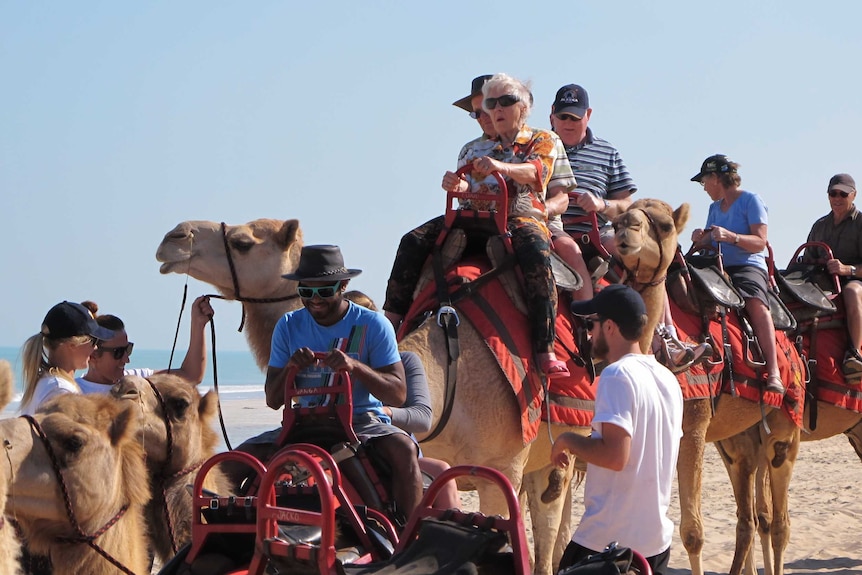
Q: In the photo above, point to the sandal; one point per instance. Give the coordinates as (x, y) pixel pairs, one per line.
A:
(774, 385)
(555, 369)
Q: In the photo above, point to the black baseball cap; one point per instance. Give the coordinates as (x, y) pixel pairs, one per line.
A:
(571, 99)
(843, 182)
(715, 164)
(616, 302)
(67, 319)
(475, 89)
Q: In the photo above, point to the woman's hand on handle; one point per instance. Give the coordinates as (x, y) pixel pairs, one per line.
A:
(452, 182)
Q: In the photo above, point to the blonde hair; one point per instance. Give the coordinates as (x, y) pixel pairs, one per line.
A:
(36, 361)
(360, 298)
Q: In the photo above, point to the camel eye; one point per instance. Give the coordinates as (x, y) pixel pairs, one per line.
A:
(178, 407)
(242, 245)
(72, 444)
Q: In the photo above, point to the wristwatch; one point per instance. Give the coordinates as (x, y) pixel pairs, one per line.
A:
(852, 271)
(607, 205)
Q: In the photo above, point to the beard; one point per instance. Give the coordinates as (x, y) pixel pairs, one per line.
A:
(599, 349)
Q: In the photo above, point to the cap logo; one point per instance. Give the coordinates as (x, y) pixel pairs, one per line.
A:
(570, 97)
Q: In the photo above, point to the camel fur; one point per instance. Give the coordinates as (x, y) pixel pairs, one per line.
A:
(484, 427)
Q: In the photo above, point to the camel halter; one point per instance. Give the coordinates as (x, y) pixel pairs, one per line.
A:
(655, 280)
(80, 536)
(164, 478)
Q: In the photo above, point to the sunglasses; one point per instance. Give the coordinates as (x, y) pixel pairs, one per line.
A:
(568, 117)
(325, 292)
(592, 321)
(118, 352)
(836, 193)
(504, 101)
(476, 114)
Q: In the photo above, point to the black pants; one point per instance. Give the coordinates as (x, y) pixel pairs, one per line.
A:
(575, 552)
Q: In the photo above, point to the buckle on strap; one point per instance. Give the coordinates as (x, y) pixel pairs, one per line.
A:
(448, 310)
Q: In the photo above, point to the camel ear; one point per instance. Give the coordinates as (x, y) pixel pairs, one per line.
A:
(122, 426)
(288, 234)
(208, 406)
(680, 217)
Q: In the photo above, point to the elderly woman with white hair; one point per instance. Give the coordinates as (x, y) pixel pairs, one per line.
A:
(529, 160)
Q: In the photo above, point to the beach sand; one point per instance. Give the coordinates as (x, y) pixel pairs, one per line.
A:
(825, 506)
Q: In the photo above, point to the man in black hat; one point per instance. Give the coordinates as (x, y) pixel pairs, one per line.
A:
(841, 230)
(357, 340)
(632, 452)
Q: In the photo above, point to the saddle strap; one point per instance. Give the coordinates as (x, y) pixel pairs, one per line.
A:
(813, 380)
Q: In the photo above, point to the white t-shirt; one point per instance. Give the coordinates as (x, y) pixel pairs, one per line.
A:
(48, 386)
(630, 506)
(88, 386)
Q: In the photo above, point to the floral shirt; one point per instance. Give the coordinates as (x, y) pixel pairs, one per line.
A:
(534, 146)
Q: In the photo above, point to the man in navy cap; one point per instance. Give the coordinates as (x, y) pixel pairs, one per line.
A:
(632, 452)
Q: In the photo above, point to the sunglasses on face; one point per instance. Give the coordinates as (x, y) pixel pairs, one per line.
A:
(118, 352)
(836, 193)
(568, 118)
(325, 292)
(476, 114)
(504, 101)
(592, 321)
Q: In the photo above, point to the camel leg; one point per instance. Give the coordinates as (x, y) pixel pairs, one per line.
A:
(739, 454)
(781, 448)
(696, 416)
(545, 517)
(564, 535)
(763, 510)
(854, 434)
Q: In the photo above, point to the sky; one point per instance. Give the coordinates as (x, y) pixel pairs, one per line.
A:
(118, 120)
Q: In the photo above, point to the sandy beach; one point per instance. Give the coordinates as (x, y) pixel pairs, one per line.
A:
(825, 512)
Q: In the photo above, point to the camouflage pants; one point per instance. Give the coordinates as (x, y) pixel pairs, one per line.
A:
(532, 248)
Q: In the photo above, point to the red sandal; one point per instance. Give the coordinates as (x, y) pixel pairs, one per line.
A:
(554, 368)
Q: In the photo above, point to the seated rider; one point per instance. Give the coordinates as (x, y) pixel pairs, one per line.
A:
(841, 230)
(525, 157)
(360, 342)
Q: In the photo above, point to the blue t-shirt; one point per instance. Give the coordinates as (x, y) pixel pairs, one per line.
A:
(746, 211)
(362, 334)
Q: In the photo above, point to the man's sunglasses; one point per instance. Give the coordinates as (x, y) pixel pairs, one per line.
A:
(118, 352)
(476, 114)
(324, 292)
(504, 101)
(591, 322)
(836, 193)
(568, 117)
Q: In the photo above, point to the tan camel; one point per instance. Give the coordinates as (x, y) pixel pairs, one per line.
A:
(189, 419)
(646, 260)
(483, 428)
(102, 465)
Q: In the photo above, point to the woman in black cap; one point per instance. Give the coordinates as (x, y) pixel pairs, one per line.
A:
(738, 220)
(68, 336)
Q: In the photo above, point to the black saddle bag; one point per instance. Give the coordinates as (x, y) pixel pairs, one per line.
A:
(805, 288)
(613, 560)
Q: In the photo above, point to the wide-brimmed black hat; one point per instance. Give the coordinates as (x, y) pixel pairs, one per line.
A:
(475, 89)
(68, 319)
(321, 263)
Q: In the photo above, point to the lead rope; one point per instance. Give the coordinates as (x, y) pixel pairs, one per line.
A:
(182, 304)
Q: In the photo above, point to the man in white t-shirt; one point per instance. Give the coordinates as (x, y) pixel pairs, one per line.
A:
(107, 363)
(632, 453)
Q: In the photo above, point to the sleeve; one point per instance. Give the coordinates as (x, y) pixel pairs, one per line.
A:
(615, 399)
(542, 154)
(620, 180)
(382, 345)
(415, 415)
(757, 213)
(279, 353)
(562, 175)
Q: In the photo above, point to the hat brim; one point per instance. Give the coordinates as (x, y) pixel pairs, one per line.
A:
(464, 103)
(584, 308)
(351, 273)
(842, 187)
(573, 110)
(100, 332)
(698, 177)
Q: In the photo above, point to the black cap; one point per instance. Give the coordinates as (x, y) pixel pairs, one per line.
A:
(843, 182)
(571, 99)
(715, 164)
(616, 302)
(475, 89)
(69, 319)
(320, 263)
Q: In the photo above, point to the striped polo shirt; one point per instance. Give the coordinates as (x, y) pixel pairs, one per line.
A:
(600, 170)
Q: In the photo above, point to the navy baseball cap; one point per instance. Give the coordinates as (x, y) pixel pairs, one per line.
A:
(718, 163)
(571, 99)
(616, 302)
(67, 319)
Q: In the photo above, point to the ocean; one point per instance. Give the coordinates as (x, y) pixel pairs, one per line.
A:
(238, 375)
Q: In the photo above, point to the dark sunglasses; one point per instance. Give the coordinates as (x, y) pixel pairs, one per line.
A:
(836, 193)
(324, 292)
(118, 352)
(476, 114)
(504, 101)
(568, 117)
(591, 322)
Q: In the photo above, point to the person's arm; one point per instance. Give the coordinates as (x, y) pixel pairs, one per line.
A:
(194, 365)
(274, 386)
(557, 200)
(616, 203)
(753, 242)
(610, 451)
(525, 173)
(415, 415)
(385, 383)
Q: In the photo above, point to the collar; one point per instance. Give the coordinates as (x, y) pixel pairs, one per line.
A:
(851, 214)
(525, 134)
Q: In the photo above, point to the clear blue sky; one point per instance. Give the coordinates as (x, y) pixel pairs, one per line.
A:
(120, 119)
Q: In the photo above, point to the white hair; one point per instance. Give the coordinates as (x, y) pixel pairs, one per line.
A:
(511, 86)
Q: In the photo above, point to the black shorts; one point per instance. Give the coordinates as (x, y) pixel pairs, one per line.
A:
(751, 282)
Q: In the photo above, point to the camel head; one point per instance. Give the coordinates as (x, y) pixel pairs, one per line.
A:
(102, 463)
(646, 237)
(189, 414)
(7, 383)
(261, 250)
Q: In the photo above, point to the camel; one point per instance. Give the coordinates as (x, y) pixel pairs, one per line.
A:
(265, 249)
(102, 466)
(646, 260)
(192, 440)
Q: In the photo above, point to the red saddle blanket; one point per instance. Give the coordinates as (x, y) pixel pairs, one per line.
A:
(829, 383)
(704, 380)
(569, 401)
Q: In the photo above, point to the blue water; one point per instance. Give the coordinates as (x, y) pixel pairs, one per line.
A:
(238, 375)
